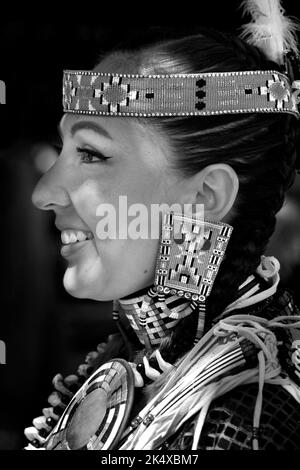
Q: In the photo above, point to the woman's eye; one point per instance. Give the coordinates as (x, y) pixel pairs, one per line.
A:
(91, 156)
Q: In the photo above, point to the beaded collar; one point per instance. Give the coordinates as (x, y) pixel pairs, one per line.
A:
(165, 311)
(65, 388)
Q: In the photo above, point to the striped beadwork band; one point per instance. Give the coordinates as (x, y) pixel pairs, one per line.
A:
(203, 94)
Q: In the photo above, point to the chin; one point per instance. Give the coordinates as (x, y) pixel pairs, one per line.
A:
(78, 284)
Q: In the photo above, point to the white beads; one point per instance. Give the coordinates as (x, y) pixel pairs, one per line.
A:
(163, 365)
(165, 101)
(150, 372)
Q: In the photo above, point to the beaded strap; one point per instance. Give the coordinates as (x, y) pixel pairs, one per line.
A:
(205, 94)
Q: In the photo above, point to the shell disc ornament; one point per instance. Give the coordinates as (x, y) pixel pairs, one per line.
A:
(98, 413)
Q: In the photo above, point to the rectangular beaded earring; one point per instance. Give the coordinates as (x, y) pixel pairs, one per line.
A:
(189, 256)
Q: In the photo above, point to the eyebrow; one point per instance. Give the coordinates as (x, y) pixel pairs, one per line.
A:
(87, 125)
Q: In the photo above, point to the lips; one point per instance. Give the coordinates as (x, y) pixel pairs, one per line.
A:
(73, 240)
(71, 236)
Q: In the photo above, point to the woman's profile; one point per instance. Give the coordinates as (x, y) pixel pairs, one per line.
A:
(195, 135)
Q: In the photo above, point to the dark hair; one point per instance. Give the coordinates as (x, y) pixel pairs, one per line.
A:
(259, 147)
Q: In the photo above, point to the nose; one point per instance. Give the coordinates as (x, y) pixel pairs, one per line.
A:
(51, 191)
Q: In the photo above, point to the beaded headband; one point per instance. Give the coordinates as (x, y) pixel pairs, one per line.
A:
(202, 94)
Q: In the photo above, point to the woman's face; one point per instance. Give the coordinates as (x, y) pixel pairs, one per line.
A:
(103, 159)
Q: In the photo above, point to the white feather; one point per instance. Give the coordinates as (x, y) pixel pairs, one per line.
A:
(270, 30)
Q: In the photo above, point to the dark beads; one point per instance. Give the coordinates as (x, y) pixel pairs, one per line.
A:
(148, 419)
(50, 422)
(136, 422)
(255, 433)
(201, 82)
(141, 369)
(200, 94)
(36, 443)
(200, 105)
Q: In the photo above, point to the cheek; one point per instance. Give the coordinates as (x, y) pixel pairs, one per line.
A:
(87, 197)
(129, 264)
(144, 188)
(103, 198)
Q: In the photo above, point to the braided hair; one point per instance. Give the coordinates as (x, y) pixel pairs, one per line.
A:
(261, 148)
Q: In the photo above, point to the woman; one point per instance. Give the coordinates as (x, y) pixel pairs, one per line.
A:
(199, 359)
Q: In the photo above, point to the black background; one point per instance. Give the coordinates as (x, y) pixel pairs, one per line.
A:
(45, 330)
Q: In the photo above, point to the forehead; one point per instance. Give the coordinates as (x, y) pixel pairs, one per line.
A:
(123, 130)
(112, 127)
(127, 134)
(120, 62)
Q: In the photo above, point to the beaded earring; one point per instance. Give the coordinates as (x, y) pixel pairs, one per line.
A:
(189, 257)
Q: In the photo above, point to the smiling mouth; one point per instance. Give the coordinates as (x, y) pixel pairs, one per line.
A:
(73, 240)
(69, 237)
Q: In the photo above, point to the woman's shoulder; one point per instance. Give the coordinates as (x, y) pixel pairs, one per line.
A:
(229, 422)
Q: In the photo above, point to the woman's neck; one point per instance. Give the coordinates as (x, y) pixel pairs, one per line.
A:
(136, 294)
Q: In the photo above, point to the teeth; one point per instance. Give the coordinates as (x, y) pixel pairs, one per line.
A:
(64, 237)
(81, 236)
(73, 236)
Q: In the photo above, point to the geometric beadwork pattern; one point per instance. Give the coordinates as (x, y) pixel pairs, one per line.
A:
(229, 422)
(190, 255)
(227, 363)
(86, 92)
(97, 414)
(160, 319)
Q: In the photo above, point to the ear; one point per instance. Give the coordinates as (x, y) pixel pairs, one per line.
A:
(216, 187)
